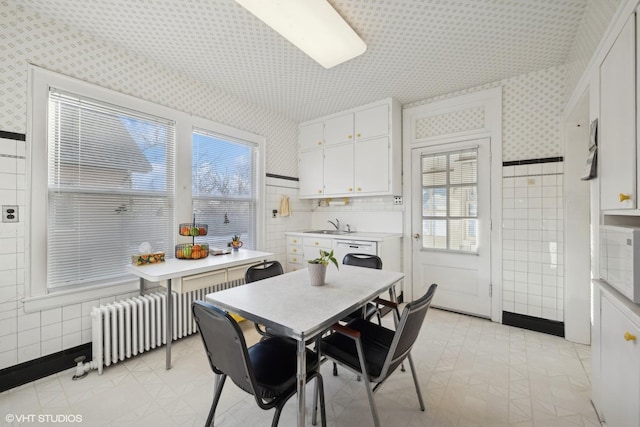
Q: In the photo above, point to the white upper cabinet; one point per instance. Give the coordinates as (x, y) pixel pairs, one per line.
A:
(338, 129)
(617, 144)
(372, 122)
(311, 136)
(361, 153)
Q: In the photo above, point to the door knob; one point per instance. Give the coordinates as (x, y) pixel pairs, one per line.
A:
(416, 236)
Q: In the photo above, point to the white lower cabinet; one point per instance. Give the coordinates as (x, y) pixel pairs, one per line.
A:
(616, 382)
(295, 253)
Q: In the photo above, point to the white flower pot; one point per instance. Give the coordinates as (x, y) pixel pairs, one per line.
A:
(317, 273)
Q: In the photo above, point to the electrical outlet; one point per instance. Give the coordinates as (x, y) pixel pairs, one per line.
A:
(397, 200)
(9, 213)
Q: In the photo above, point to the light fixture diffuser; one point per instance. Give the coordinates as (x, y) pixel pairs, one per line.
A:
(311, 25)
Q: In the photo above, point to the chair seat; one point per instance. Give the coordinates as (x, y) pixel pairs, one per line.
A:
(376, 341)
(274, 362)
(369, 311)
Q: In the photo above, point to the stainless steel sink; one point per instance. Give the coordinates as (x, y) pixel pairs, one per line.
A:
(325, 232)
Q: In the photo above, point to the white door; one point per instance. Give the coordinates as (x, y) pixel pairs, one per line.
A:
(451, 192)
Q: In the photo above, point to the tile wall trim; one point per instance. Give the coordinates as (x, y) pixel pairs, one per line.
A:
(13, 135)
(42, 367)
(290, 178)
(533, 161)
(546, 326)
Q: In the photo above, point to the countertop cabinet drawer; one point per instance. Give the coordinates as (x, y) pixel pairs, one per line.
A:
(199, 281)
(318, 242)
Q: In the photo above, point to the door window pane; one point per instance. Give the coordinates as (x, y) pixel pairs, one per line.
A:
(450, 200)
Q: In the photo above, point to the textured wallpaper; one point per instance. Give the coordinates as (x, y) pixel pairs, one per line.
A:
(28, 38)
(594, 23)
(531, 107)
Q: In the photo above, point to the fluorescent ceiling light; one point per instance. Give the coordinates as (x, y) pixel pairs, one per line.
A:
(312, 25)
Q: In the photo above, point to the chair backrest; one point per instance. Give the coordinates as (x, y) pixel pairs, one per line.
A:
(408, 329)
(363, 260)
(264, 270)
(225, 345)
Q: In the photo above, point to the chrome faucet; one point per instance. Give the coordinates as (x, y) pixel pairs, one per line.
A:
(335, 224)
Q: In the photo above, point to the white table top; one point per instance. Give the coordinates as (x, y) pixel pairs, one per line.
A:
(173, 268)
(292, 307)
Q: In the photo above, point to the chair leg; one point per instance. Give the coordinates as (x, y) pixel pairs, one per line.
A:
(335, 369)
(219, 381)
(415, 382)
(276, 416)
(367, 384)
(319, 388)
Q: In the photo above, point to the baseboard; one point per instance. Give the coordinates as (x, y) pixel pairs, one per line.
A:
(531, 323)
(32, 370)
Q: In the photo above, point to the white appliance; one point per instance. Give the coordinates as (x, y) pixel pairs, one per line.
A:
(620, 259)
(343, 247)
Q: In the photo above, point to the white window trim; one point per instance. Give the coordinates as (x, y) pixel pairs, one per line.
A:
(39, 81)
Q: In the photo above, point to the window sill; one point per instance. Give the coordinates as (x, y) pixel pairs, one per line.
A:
(62, 298)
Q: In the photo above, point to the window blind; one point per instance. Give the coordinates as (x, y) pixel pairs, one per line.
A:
(450, 200)
(223, 187)
(110, 188)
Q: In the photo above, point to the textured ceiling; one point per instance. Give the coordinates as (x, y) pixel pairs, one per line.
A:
(415, 49)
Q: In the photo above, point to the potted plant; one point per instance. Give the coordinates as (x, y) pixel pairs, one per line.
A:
(236, 243)
(318, 267)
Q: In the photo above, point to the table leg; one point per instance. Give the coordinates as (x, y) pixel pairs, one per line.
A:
(302, 378)
(169, 323)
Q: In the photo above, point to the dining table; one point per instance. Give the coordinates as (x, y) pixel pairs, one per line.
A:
(288, 305)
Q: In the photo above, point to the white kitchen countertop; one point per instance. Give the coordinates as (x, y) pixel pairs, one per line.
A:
(356, 235)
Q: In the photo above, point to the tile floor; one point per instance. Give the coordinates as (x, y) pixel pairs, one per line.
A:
(472, 372)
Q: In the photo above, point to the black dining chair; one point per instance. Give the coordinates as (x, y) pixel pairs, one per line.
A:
(260, 271)
(375, 352)
(266, 370)
(369, 310)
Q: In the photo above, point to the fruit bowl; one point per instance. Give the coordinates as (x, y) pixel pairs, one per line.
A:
(192, 251)
(193, 229)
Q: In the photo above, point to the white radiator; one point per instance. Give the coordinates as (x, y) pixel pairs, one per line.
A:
(123, 329)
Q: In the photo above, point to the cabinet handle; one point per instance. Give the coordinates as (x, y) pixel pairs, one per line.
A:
(295, 240)
(319, 142)
(319, 191)
(629, 337)
(359, 189)
(624, 197)
(358, 135)
(295, 259)
(316, 243)
(294, 250)
(350, 189)
(350, 136)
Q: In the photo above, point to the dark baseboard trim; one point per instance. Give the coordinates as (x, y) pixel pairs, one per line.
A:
(289, 178)
(13, 135)
(537, 324)
(32, 370)
(533, 161)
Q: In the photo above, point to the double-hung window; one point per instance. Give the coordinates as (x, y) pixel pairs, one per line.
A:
(110, 187)
(104, 174)
(223, 186)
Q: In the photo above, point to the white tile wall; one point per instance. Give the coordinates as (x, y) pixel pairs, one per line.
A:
(533, 240)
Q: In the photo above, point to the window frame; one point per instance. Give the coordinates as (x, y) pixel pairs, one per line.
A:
(37, 296)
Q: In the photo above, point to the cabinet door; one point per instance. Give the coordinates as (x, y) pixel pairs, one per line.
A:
(338, 129)
(311, 136)
(310, 173)
(372, 122)
(620, 364)
(617, 122)
(371, 170)
(338, 169)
